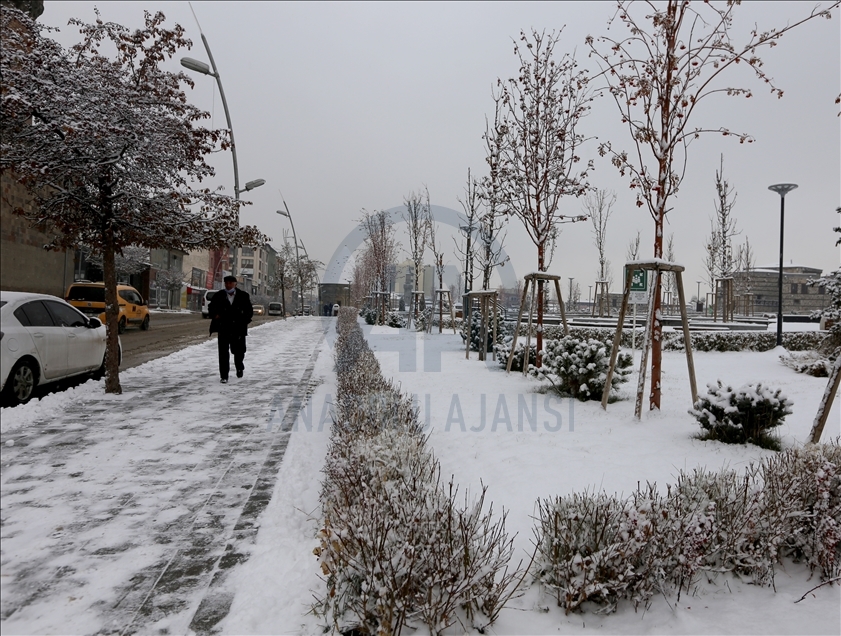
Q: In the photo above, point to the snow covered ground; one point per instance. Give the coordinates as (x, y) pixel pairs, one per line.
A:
(490, 428)
(485, 427)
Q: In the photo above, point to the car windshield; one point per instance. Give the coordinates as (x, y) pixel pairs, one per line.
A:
(2, 302)
(90, 294)
(209, 294)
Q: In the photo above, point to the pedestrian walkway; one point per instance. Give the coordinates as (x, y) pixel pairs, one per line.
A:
(121, 514)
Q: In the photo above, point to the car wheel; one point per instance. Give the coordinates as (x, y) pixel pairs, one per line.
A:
(145, 324)
(22, 381)
(121, 325)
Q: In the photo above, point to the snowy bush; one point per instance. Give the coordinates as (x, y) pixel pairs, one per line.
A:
(369, 315)
(701, 340)
(579, 367)
(503, 351)
(601, 549)
(395, 548)
(746, 414)
(808, 362)
(476, 330)
(394, 319)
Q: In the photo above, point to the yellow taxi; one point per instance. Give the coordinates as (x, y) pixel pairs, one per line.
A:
(89, 298)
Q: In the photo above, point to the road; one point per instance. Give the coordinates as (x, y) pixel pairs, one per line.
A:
(168, 332)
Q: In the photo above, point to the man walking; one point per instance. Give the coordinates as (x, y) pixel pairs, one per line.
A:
(231, 311)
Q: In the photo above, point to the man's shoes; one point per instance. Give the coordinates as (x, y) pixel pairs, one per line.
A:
(224, 380)
(239, 372)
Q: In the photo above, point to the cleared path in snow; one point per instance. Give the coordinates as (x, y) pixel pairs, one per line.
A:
(122, 513)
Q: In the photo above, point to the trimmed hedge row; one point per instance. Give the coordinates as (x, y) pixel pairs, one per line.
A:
(395, 548)
(701, 340)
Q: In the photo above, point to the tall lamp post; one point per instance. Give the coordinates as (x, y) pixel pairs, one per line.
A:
(285, 212)
(202, 67)
(782, 189)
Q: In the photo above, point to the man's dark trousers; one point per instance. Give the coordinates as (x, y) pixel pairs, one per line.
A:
(234, 344)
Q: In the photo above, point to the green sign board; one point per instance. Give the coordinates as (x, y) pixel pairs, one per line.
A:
(639, 280)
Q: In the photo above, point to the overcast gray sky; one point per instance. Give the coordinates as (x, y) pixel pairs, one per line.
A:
(345, 106)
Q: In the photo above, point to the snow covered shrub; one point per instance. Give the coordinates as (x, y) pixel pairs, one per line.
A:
(808, 362)
(503, 350)
(805, 485)
(832, 284)
(395, 549)
(742, 340)
(744, 415)
(370, 315)
(394, 319)
(579, 367)
(600, 549)
(476, 330)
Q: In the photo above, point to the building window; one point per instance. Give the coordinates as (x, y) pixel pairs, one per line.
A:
(794, 288)
(247, 251)
(197, 278)
(247, 263)
(821, 290)
(804, 288)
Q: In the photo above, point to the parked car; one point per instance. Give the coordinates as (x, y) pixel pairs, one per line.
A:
(259, 310)
(205, 302)
(45, 339)
(89, 298)
(336, 309)
(275, 309)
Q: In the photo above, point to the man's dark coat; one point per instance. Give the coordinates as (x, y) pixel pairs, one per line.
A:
(233, 317)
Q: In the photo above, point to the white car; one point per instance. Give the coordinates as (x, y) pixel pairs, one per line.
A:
(205, 302)
(45, 339)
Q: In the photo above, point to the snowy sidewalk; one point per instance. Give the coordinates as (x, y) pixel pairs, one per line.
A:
(123, 514)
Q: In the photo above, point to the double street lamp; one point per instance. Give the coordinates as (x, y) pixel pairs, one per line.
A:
(782, 189)
(211, 70)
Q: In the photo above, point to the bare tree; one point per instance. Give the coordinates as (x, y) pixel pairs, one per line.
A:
(438, 264)
(538, 142)
(417, 227)
(720, 260)
(109, 147)
(471, 205)
(599, 207)
(491, 238)
(672, 60)
(633, 251)
(745, 262)
(363, 278)
(382, 248)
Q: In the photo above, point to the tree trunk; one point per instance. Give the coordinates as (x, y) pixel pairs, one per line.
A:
(112, 311)
(541, 267)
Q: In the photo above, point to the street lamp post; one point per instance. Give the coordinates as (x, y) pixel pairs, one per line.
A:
(285, 212)
(782, 189)
(589, 295)
(202, 67)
